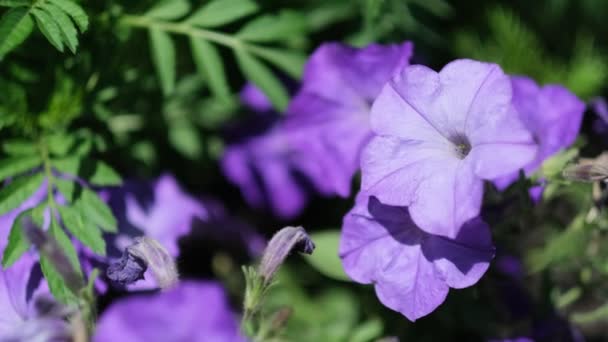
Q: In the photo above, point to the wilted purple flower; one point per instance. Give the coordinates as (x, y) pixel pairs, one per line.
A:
(439, 135)
(552, 114)
(328, 119)
(191, 311)
(143, 254)
(412, 271)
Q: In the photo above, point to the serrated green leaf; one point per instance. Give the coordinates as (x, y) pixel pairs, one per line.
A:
(18, 242)
(325, 257)
(22, 188)
(267, 28)
(67, 188)
(19, 147)
(262, 77)
(14, 166)
(163, 56)
(15, 3)
(49, 28)
(15, 26)
(56, 283)
(96, 211)
(66, 26)
(290, 62)
(65, 243)
(221, 12)
(210, 66)
(94, 171)
(88, 235)
(169, 10)
(75, 12)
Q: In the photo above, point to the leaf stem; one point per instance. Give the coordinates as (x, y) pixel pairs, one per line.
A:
(48, 171)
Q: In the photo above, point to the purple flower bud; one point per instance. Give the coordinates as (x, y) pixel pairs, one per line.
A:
(281, 244)
(145, 253)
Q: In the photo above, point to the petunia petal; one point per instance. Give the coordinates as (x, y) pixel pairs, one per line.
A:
(464, 260)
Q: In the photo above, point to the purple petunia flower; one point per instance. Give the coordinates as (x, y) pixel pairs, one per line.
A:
(269, 173)
(329, 117)
(412, 271)
(191, 311)
(552, 114)
(439, 135)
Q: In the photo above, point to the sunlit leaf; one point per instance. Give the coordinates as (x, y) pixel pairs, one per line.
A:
(221, 12)
(49, 28)
(15, 26)
(74, 11)
(210, 66)
(12, 195)
(14, 166)
(88, 235)
(163, 56)
(263, 77)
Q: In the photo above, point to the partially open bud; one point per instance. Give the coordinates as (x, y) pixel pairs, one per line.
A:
(588, 170)
(50, 249)
(144, 253)
(279, 247)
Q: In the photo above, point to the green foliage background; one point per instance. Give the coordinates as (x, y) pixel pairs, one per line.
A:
(147, 86)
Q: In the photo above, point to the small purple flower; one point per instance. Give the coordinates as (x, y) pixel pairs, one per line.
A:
(191, 311)
(412, 271)
(439, 135)
(552, 114)
(329, 117)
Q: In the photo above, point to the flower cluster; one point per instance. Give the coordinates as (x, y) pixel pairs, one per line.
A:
(438, 137)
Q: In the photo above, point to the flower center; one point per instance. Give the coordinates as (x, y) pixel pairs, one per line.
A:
(462, 145)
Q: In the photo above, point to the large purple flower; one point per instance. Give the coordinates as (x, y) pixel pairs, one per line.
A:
(411, 270)
(192, 311)
(329, 117)
(552, 114)
(439, 135)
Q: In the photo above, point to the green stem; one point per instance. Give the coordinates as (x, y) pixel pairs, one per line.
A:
(184, 28)
(48, 171)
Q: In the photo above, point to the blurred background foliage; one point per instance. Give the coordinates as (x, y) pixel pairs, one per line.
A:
(157, 82)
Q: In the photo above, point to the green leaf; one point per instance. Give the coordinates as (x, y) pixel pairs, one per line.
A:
(163, 56)
(210, 66)
(184, 137)
(94, 171)
(290, 62)
(15, 26)
(96, 211)
(55, 281)
(49, 28)
(221, 12)
(169, 9)
(18, 242)
(65, 243)
(13, 166)
(262, 77)
(267, 28)
(75, 12)
(15, 3)
(67, 188)
(59, 144)
(66, 26)
(19, 147)
(88, 235)
(325, 257)
(12, 195)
